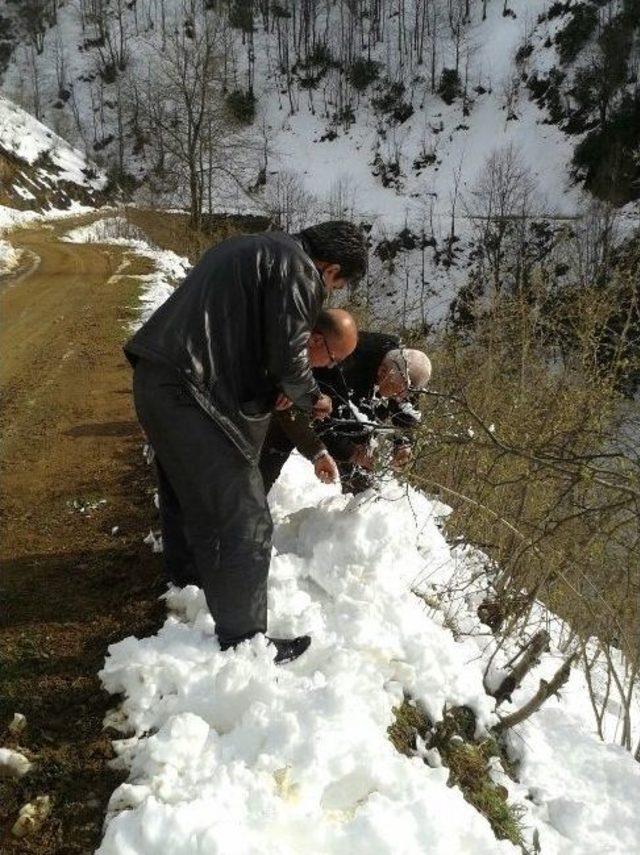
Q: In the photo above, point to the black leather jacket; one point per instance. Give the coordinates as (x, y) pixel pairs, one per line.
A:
(236, 330)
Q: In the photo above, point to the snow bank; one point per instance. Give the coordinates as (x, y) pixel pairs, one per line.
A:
(230, 754)
(11, 218)
(9, 258)
(299, 757)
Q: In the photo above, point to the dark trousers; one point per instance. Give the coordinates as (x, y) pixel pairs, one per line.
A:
(216, 525)
(275, 453)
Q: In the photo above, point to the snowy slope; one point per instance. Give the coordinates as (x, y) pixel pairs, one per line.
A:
(39, 169)
(230, 754)
(458, 138)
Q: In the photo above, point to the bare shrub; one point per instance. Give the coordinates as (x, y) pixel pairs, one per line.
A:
(287, 201)
(537, 451)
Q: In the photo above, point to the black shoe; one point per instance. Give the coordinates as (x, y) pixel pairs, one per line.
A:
(289, 649)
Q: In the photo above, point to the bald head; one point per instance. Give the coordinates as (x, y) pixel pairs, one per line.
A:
(403, 369)
(334, 337)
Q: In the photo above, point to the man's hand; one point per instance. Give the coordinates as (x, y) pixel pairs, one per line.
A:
(282, 402)
(363, 457)
(325, 468)
(322, 407)
(401, 456)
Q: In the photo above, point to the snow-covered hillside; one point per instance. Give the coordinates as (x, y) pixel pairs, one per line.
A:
(39, 169)
(399, 151)
(450, 133)
(230, 754)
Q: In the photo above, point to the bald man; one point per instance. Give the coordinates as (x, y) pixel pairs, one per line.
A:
(333, 339)
(378, 379)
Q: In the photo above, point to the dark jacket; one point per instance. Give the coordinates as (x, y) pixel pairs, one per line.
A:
(236, 330)
(352, 382)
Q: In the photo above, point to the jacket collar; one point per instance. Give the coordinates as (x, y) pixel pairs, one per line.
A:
(302, 242)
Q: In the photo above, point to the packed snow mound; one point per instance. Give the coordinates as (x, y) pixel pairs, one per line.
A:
(230, 754)
(40, 169)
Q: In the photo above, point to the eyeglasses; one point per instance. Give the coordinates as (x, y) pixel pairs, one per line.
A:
(401, 374)
(332, 359)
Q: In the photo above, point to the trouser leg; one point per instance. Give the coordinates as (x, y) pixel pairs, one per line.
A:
(179, 560)
(275, 453)
(222, 498)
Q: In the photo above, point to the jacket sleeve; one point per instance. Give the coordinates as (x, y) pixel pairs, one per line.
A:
(297, 427)
(293, 300)
(341, 447)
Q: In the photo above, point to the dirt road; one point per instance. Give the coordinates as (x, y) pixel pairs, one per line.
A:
(75, 504)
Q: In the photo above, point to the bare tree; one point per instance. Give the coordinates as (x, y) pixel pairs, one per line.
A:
(341, 202)
(454, 193)
(185, 116)
(501, 205)
(34, 76)
(34, 16)
(288, 202)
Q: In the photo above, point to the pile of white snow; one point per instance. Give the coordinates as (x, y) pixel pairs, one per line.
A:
(9, 258)
(230, 754)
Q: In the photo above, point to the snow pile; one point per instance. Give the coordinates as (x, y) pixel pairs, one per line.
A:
(116, 230)
(157, 286)
(30, 141)
(9, 258)
(233, 755)
(13, 764)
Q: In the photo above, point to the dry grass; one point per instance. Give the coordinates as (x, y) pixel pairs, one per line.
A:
(174, 231)
(467, 761)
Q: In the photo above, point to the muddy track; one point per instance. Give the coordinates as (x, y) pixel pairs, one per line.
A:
(69, 584)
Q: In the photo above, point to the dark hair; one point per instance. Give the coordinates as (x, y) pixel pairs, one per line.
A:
(339, 242)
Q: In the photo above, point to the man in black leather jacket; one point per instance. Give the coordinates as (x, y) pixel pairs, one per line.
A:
(226, 348)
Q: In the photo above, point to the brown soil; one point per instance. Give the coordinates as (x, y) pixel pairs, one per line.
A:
(68, 586)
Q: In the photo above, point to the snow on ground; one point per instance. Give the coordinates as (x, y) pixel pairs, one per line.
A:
(12, 218)
(156, 286)
(9, 258)
(453, 136)
(421, 287)
(230, 754)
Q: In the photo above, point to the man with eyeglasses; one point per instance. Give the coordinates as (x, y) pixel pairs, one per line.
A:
(210, 365)
(373, 386)
(333, 339)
